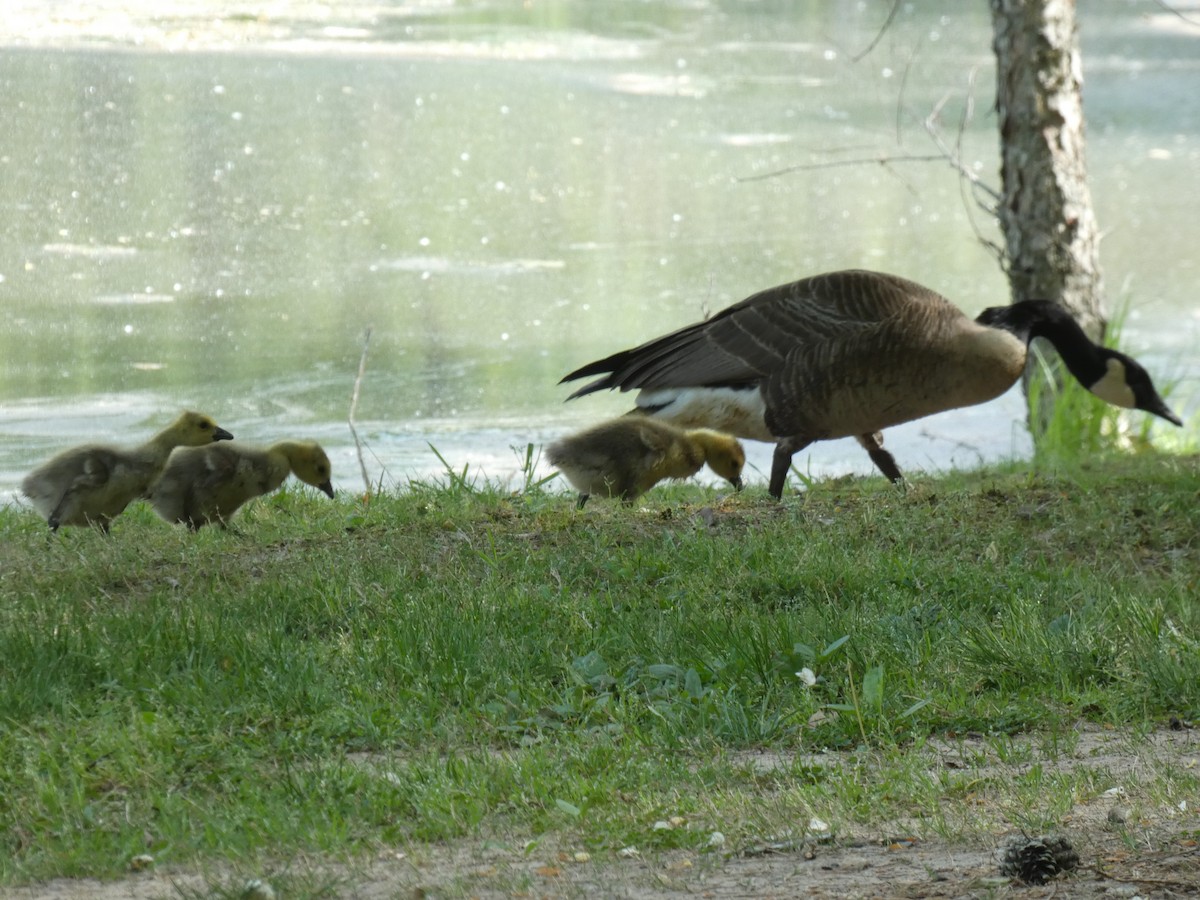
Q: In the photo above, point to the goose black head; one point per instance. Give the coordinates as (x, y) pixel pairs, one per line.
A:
(1125, 383)
(1110, 374)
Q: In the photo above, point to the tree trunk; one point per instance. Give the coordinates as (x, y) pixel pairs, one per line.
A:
(1050, 229)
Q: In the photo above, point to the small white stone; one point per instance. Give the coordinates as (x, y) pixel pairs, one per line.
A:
(716, 839)
(629, 853)
(660, 825)
(818, 830)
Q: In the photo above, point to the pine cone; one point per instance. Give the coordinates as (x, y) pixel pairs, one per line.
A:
(1037, 860)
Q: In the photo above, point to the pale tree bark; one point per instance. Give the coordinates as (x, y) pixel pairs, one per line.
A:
(1050, 231)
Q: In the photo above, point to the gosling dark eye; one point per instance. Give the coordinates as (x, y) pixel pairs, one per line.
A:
(204, 426)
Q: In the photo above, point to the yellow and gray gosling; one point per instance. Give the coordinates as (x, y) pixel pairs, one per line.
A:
(626, 457)
(206, 485)
(847, 354)
(92, 484)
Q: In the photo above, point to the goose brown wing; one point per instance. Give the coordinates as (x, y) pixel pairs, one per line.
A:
(761, 335)
(866, 374)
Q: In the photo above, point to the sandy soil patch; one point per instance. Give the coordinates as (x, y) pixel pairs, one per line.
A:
(1131, 840)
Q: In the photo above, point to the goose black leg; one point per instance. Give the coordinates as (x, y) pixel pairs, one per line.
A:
(781, 463)
(873, 444)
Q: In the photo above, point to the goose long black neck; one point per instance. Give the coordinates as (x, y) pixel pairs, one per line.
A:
(1031, 319)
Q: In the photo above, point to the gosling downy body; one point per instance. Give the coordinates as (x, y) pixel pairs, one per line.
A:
(92, 484)
(847, 354)
(626, 457)
(203, 485)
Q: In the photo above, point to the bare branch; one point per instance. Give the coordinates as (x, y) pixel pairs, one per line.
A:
(1175, 12)
(883, 160)
(966, 177)
(903, 86)
(954, 158)
(972, 189)
(882, 31)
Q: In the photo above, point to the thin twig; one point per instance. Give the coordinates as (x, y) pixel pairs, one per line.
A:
(1176, 12)
(882, 159)
(882, 31)
(900, 94)
(954, 157)
(1130, 877)
(362, 367)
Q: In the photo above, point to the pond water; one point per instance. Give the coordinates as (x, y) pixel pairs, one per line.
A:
(213, 212)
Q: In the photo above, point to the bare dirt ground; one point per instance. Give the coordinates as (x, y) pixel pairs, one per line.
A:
(1134, 840)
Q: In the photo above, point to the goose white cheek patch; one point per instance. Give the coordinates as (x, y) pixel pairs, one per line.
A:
(1112, 387)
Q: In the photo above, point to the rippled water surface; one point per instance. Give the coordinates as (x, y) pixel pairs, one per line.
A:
(213, 212)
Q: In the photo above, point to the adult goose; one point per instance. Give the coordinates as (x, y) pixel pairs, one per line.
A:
(93, 483)
(205, 485)
(626, 457)
(847, 354)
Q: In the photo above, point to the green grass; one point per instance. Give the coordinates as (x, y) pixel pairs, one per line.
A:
(456, 660)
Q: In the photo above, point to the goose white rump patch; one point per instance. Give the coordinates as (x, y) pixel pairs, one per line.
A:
(737, 412)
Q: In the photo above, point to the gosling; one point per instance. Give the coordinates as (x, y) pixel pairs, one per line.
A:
(626, 457)
(206, 485)
(92, 484)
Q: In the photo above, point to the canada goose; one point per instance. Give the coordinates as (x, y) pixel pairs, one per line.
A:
(202, 485)
(849, 354)
(93, 484)
(626, 457)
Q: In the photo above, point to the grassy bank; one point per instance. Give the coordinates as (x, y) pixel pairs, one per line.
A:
(457, 660)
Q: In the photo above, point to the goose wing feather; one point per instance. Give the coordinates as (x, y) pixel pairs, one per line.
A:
(780, 330)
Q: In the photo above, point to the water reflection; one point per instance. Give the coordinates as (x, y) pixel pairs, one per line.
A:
(501, 195)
